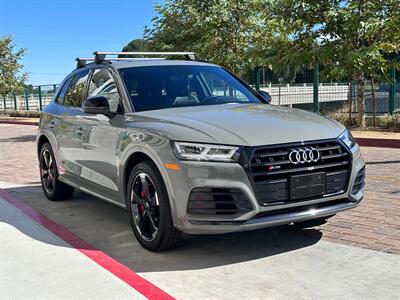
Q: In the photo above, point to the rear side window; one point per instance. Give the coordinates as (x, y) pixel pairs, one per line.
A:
(102, 84)
(61, 95)
(77, 89)
(220, 87)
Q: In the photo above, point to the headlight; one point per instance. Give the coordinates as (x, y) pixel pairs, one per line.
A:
(205, 152)
(348, 139)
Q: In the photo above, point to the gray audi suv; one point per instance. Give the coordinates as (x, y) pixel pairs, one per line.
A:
(188, 147)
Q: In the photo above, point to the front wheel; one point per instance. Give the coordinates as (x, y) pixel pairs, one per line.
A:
(149, 209)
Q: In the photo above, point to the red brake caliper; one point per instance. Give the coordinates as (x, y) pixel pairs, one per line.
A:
(141, 206)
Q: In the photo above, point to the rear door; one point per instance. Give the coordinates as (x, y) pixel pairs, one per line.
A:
(52, 120)
(71, 109)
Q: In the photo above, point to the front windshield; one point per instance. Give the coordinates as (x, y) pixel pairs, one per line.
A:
(160, 87)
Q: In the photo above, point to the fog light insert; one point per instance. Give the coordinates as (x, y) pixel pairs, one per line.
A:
(218, 201)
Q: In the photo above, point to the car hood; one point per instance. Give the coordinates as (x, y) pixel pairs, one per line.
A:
(240, 124)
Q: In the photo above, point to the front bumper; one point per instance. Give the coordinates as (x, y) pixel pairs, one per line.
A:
(204, 227)
(228, 175)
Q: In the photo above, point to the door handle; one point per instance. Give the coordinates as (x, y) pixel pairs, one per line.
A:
(51, 124)
(79, 130)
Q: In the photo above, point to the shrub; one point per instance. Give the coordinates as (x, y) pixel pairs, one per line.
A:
(391, 121)
(21, 113)
(343, 117)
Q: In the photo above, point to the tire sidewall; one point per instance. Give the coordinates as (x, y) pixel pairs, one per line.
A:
(46, 146)
(164, 207)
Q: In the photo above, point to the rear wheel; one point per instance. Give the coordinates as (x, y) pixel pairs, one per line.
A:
(149, 209)
(53, 188)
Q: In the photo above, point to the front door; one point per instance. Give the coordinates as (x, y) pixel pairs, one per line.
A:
(97, 137)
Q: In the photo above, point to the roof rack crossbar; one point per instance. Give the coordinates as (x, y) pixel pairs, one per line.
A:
(101, 55)
(133, 58)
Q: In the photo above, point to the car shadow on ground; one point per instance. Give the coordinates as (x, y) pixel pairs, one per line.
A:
(20, 139)
(106, 227)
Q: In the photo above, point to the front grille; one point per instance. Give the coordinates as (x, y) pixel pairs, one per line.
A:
(271, 169)
(218, 201)
(359, 182)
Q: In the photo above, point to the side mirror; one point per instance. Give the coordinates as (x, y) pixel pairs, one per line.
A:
(265, 95)
(97, 105)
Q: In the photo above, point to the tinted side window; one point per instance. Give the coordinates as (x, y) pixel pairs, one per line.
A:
(219, 87)
(102, 84)
(77, 89)
(61, 95)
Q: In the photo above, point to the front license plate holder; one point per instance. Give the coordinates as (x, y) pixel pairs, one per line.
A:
(307, 185)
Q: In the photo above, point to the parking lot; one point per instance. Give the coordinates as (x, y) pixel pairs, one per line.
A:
(355, 255)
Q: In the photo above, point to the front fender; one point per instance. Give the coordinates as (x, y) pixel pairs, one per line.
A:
(158, 150)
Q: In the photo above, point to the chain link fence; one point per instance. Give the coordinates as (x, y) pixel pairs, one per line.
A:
(331, 96)
(34, 98)
(294, 86)
(301, 87)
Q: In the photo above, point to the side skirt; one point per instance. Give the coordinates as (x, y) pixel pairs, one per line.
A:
(90, 192)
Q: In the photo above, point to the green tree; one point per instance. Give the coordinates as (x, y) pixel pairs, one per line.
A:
(348, 37)
(11, 78)
(223, 31)
(137, 45)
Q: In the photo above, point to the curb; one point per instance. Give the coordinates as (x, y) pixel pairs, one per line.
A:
(19, 123)
(113, 266)
(382, 143)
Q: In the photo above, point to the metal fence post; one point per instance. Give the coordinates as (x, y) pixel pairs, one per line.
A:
(279, 95)
(4, 103)
(258, 78)
(315, 88)
(40, 97)
(26, 99)
(15, 102)
(392, 90)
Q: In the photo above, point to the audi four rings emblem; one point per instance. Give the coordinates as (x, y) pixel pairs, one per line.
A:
(304, 155)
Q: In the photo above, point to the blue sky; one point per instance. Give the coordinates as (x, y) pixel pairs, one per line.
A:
(56, 32)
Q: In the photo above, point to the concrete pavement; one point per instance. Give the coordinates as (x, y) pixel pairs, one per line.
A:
(321, 271)
(36, 264)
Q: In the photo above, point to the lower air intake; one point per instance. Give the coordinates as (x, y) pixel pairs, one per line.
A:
(218, 201)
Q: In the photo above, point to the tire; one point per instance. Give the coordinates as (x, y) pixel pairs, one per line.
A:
(149, 209)
(53, 188)
(312, 222)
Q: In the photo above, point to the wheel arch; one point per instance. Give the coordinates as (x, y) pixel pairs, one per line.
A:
(133, 159)
(139, 156)
(47, 137)
(41, 141)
